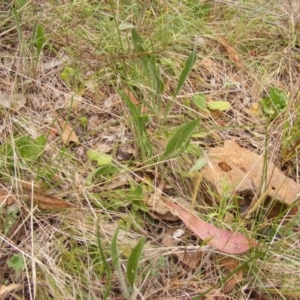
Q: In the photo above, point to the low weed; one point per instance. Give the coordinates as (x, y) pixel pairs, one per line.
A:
(145, 88)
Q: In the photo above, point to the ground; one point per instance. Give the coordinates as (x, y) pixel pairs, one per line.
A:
(108, 111)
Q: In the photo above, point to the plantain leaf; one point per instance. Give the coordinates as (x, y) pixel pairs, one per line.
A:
(115, 255)
(180, 139)
(133, 261)
(186, 71)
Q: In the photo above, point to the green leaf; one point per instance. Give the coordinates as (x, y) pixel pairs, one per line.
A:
(115, 255)
(16, 262)
(139, 122)
(186, 71)
(200, 101)
(275, 102)
(20, 3)
(18, 24)
(200, 163)
(278, 98)
(30, 148)
(134, 260)
(104, 170)
(100, 158)
(180, 139)
(137, 40)
(40, 39)
(267, 106)
(219, 105)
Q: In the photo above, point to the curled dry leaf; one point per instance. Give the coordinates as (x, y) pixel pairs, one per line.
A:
(243, 171)
(232, 53)
(68, 134)
(5, 290)
(158, 209)
(223, 240)
(231, 264)
(14, 101)
(6, 198)
(42, 200)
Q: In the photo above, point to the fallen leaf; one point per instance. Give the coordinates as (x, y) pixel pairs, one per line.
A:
(5, 290)
(231, 264)
(243, 171)
(6, 198)
(14, 101)
(223, 240)
(68, 134)
(232, 53)
(158, 209)
(42, 200)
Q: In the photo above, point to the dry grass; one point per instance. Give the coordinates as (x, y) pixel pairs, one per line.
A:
(87, 61)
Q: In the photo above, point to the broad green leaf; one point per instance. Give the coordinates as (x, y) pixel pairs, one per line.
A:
(218, 105)
(279, 98)
(200, 163)
(16, 262)
(267, 106)
(137, 40)
(40, 39)
(30, 148)
(115, 255)
(180, 139)
(101, 158)
(200, 101)
(274, 103)
(104, 170)
(134, 260)
(186, 71)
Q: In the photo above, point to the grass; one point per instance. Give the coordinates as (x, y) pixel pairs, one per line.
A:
(124, 76)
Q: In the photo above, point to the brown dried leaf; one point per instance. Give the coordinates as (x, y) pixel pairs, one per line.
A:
(223, 240)
(44, 201)
(243, 170)
(231, 264)
(14, 101)
(232, 53)
(68, 134)
(6, 198)
(5, 290)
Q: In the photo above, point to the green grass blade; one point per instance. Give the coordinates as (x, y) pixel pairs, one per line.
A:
(180, 139)
(105, 265)
(40, 40)
(186, 71)
(133, 261)
(139, 125)
(116, 262)
(18, 24)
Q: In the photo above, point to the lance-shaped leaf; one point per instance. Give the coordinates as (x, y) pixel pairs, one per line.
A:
(223, 240)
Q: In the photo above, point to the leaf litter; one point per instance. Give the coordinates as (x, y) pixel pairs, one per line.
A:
(244, 171)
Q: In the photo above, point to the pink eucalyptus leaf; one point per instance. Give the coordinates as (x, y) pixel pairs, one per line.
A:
(223, 240)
